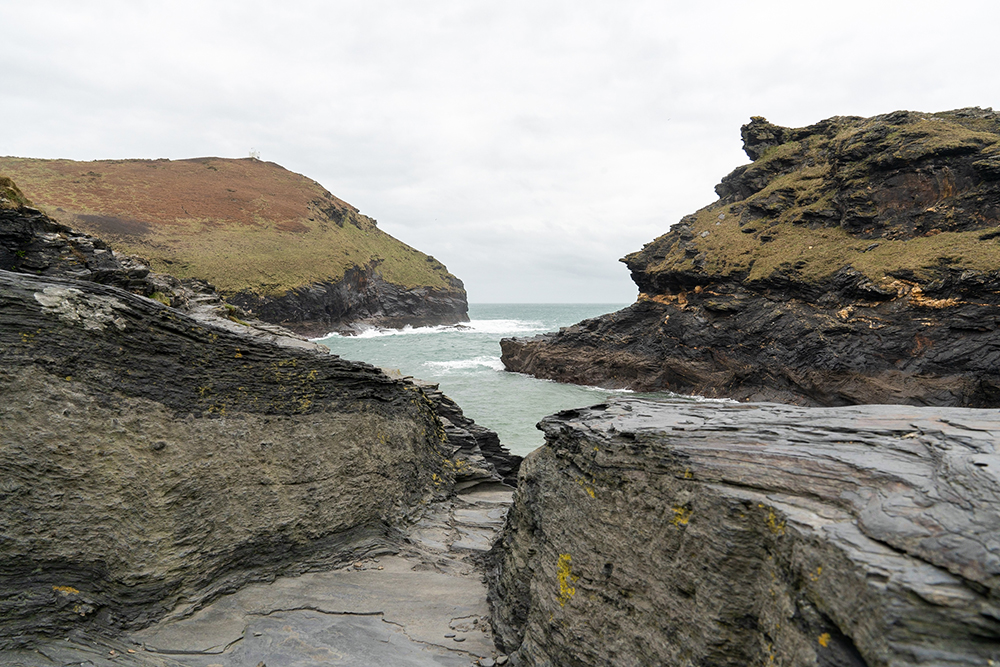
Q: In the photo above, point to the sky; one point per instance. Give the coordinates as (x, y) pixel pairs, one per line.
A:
(528, 145)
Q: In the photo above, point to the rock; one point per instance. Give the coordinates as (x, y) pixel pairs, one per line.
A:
(274, 243)
(150, 459)
(478, 454)
(668, 532)
(361, 298)
(854, 261)
(33, 243)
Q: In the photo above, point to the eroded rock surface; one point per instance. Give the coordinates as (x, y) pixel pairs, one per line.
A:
(673, 533)
(853, 261)
(149, 458)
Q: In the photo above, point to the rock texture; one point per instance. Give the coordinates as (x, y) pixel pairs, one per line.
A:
(271, 241)
(658, 532)
(425, 607)
(153, 460)
(476, 450)
(361, 298)
(853, 261)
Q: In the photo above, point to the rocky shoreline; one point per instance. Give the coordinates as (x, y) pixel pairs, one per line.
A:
(184, 485)
(157, 459)
(853, 261)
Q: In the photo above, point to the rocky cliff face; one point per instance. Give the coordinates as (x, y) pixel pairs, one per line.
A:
(853, 261)
(362, 297)
(269, 240)
(672, 533)
(151, 459)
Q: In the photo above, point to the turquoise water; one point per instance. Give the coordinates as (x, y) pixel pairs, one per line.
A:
(465, 362)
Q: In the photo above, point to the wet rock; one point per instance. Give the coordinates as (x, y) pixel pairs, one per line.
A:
(659, 532)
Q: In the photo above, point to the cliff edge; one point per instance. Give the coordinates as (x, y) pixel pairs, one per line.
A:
(271, 241)
(853, 261)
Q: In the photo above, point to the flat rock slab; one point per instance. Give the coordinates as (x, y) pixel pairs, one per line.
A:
(424, 607)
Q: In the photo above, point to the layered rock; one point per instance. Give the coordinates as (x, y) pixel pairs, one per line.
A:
(477, 452)
(680, 533)
(153, 461)
(271, 241)
(854, 261)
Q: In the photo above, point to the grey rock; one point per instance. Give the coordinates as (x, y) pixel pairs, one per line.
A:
(664, 532)
(148, 458)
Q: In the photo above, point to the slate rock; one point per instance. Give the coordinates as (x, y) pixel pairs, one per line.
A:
(668, 532)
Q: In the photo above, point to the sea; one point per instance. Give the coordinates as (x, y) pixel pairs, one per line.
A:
(465, 362)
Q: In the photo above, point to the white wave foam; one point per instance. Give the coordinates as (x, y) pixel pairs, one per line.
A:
(493, 363)
(475, 326)
(505, 326)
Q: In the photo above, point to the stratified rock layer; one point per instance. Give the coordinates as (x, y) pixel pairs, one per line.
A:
(854, 261)
(150, 459)
(669, 533)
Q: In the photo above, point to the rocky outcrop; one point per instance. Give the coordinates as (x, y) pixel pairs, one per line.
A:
(362, 298)
(154, 459)
(853, 261)
(679, 533)
(150, 459)
(271, 241)
(31, 242)
(476, 451)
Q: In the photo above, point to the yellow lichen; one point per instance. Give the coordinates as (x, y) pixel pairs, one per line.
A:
(566, 579)
(681, 516)
(824, 639)
(586, 487)
(774, 524)
(66, 590)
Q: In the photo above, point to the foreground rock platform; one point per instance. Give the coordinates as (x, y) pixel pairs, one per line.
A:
(423, 606)
(679, 533)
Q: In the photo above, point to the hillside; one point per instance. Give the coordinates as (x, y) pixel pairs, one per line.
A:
(270, 240)
(853, 261)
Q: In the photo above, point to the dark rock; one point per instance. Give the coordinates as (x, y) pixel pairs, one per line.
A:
(361, 298)
(657, 532)
(150, 457)
(786, 298)
(477, 451)
(133, 478)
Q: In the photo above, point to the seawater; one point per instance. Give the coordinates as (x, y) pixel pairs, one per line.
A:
(465, 362)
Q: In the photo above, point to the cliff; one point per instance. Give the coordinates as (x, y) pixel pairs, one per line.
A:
(154, 459)
(853, 261)
(678, 533)
(271, 241)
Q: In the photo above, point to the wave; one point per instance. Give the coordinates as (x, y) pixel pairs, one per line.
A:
(475, 326)
(492, 363)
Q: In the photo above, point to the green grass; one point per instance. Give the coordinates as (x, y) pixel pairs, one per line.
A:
(10, 195)
(788, 233)
(240, 224)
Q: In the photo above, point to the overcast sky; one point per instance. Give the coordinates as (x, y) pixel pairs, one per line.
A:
(527, 145)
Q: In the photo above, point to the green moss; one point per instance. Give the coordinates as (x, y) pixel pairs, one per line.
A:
(10, 195)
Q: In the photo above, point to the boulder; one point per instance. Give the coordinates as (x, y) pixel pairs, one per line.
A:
(679, 533)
